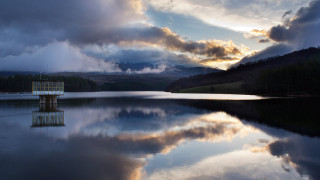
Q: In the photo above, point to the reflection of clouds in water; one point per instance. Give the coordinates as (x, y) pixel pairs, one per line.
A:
(117, 141)
(233, 165)
(210, 127)
(78, 119)
(213, 127)
(299, 152)
(114, 120)
(102, 156)
(296, 153)
(89, 120)
(28, 155)
(121, 156)
(111, 121)
(150, 143)
(147, 111)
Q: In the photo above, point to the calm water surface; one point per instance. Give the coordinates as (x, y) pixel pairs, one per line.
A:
(155, 135)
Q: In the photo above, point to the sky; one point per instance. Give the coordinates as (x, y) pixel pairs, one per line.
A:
(97, 35)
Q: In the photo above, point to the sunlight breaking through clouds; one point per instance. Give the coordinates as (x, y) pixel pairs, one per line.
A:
(27, 34)
(236, 15)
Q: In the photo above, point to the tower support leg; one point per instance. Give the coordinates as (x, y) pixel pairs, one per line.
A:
(48, 99)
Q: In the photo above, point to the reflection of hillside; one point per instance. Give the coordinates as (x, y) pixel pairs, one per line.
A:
(294, 114)
(48, 116)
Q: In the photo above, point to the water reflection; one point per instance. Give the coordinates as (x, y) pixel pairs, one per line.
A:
(47, 116)
(129, 138)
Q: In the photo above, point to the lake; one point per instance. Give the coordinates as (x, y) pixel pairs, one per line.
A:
(158, 135)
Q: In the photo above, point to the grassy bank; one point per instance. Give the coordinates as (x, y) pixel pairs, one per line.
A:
(225, 88)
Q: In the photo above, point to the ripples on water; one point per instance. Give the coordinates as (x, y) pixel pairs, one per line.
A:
(152, 135)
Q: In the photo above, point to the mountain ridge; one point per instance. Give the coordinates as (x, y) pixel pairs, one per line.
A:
(247, 73)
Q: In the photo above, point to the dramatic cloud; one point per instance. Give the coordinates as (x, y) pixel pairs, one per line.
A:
(136, 55)
(302, 30)
(220, 63)
(31, 31)
(57, 56)
(232, 14)
(165, 38)
(286, 13)
(263, 40)
(148, 70)
(34, 25)
(299, 32)
(41, 21)
(34, 35)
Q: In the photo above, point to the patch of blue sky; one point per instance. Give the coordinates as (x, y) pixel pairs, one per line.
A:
(191, 28)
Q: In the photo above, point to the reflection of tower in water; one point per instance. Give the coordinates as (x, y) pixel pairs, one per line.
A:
(48, 116)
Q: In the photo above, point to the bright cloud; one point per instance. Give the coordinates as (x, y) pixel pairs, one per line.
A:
(232, 14)
(57, 56)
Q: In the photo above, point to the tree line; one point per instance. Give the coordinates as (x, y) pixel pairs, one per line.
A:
(22, 83)
(301, 78)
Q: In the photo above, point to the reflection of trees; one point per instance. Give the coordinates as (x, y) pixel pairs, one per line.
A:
(293, 114)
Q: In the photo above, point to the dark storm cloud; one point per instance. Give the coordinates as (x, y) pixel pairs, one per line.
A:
(286, 13)
(303, 30)
(39, 22)
(71, 17)
(263, 40)
(280, 33)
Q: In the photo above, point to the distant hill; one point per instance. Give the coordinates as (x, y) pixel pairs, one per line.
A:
(276, 75)
(22, 83)
(162, 70)
(136, 80)
(140, 82)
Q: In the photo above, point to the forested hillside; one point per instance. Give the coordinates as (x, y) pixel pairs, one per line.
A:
(294, 73)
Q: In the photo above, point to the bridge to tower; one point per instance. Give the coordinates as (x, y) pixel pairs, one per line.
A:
(48, 90)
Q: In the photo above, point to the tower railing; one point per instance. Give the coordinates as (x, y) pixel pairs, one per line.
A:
(47, 90)
(45, 87)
